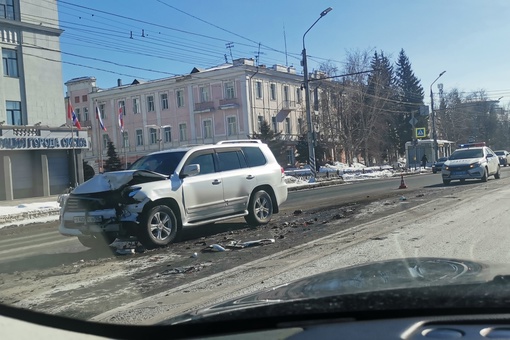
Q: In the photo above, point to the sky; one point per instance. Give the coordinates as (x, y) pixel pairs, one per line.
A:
(465, 38)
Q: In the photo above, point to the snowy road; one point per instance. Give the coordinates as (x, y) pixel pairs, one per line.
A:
(472, 224)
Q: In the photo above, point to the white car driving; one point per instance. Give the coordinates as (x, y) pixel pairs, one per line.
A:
(471, 161)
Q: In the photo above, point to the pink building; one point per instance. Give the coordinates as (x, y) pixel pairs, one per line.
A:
(224, 102)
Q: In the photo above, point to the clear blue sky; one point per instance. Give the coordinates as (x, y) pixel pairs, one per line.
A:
(467, 38)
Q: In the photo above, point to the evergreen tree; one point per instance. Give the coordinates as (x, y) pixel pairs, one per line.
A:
(302, 150)
(273, 140)
(410, 96)
(113, 161)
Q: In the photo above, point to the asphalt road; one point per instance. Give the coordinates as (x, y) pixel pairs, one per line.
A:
(42, 270)
(32, 240)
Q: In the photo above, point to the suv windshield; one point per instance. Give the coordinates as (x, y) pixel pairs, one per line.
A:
(468, 153)
(164, 163)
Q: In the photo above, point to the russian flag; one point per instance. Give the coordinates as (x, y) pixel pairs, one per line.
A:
(121, 119)
(72, 116)
(98, 116)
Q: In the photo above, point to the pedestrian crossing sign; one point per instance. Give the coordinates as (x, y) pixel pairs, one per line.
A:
(420, 132)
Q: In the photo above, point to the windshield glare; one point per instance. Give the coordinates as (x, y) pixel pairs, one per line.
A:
(468, 153)
(163, 163)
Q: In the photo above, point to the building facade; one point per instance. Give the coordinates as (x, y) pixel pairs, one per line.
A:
(226, 102)
(39, 155)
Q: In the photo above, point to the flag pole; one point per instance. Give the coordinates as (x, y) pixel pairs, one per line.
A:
(99, 141)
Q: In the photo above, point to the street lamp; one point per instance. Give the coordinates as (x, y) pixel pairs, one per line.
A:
(160, 140)
(434, 133)
(311, 133)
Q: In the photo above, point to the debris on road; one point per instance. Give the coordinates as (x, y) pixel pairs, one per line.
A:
(241, 245)
(186, 269)
(215, 247)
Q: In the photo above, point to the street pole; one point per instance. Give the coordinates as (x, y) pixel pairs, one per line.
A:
(311, 139)
(434, 133)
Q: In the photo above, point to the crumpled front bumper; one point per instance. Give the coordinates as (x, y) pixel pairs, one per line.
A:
(70, 226)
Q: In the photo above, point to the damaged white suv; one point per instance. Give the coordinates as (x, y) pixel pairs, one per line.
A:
(167, 190)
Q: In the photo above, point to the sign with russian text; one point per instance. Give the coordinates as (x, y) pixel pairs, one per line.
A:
(37, 143)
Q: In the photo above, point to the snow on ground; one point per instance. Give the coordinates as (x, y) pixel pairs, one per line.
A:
(28, 213)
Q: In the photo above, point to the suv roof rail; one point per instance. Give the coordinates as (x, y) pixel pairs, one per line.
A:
(236, 141)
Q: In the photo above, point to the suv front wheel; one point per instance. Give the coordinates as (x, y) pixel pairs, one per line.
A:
(260, 208)
(159, 227)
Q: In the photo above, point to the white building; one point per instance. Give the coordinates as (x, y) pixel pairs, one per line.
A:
(35, 150)
(225, 102)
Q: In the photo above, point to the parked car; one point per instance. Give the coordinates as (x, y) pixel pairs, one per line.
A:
(504, 157)
(168, 190)
(438, 164)
(471, 162)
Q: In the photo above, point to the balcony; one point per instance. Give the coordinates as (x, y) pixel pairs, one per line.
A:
(204, 107)
(230, 103)
(288, 105)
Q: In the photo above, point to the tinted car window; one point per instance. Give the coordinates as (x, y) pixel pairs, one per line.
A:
(229, 160)
(164, 163)
(206, 162)
(254, 157)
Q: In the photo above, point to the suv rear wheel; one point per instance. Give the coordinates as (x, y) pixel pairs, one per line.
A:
(260, 208)
(497, 175)
(159, 227)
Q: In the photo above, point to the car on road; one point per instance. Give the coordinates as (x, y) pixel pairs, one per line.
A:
(504, 157)
(471, 161)
(168, 190)
(438, 165)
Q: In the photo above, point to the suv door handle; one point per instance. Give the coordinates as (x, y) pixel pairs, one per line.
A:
(216, 182)
(250, 177)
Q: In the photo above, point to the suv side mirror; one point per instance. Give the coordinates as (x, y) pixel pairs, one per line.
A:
(190, 170)
(490, 155)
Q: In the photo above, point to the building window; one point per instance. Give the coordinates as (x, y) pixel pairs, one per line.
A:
(231, 126)
(14, 113)
(290, 156)
(204, 93)
(153, 136)
(259, 123)
(10, 62)
(7, 9)
(273, 91)
(259, 89)
(274, 124)
(78, 114)
(229, 90)
(122, 107)
(207, 129)
(136, 105)
(101, 108)
(150, 103)
(298, 95)
(139, 137)
(106, 139)
(76, 99)
(183, 135)
(168, 134)
(164, 101)
(300, 125)
(180, 98)
(286, 98)
(126, 139)
(86, 113)
(287, 125)
(84, 98)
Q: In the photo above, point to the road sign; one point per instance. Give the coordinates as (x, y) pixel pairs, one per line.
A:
(424, 110)
(413, 121)
(420, 132)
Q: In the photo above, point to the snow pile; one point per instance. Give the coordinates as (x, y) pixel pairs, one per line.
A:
(26, 213)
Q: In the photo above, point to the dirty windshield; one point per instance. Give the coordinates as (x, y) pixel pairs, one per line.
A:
(314, 135)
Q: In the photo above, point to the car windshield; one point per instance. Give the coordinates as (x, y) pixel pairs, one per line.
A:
(467, 153)
(164, 163)
(159, 157)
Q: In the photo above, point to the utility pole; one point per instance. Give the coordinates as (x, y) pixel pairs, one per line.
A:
(434, 133)
(311, 139)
